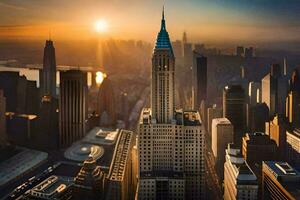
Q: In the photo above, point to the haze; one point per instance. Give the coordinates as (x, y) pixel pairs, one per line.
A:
(216, 21)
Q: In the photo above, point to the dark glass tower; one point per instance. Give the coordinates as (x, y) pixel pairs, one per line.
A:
(199, 80)
(234, 109)
(48, 73)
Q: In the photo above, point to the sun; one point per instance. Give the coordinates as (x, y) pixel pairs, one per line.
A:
(100, 76)
(101, 26)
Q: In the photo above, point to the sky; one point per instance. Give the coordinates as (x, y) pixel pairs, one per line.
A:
(204, 20)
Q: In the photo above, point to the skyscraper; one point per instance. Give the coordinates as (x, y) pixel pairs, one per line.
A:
(48, 73)
(170, 143)
(222, 135)
(106, 104)
(72, 106)
(293, 100)
(234, 109)
(274, 90)
(163, 78)
(199, 80)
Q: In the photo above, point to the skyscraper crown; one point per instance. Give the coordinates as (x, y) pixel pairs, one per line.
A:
(163, 40)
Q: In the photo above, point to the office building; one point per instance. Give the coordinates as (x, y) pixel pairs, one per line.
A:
(239, 180)
(234, 109)
(274, 90)
(48, 119)
(121, 183)
(89, 182)
(277, 132)
(222, 135)
(199, 80)
(249, 52)
(22, 129)
(240, 51)
(257, 116)
(293, 100)
(22, 96)
(48, 73)
(106, 104)
(177, 47)
(54, 187)
(280, 181)
(212, 113)
(72, 106)
(257, 147)
(254, 93)
(3, 136)
(168, 167)
(293, 147)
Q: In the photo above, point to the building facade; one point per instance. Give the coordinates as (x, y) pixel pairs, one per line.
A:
(239, 180)
(234, 109)
(280, 181)
(222, 135)
(199, 80)
(72, 106)
(293, 147)
(170, 143)
(48, 73)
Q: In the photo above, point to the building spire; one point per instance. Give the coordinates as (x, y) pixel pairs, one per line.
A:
(163, 23)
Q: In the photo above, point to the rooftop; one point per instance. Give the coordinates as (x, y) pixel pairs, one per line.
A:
(51, 187)
(120, 158)
(222, 121)
(20, 163)
(286, 175)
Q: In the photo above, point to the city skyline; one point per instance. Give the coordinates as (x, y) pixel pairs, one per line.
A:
(206, 21)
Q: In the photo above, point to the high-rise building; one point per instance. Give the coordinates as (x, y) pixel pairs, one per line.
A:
(234, 109)
(72, 106)
(48, 73)
(256, 148)
(254, 93)
(249, 52)
(293, 100)
(239, 180)
(280, 181)
(222, 135)
(240, 51)
(168, 167)
(274, 90)
(106, 104)
(257, 116)
(177, 46)
(48, 137)
(277, 132)
(293, 147)
(212, 113)
(199, 80)
(3, 136)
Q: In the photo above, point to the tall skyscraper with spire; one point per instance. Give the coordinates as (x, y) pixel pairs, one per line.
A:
(163, 78)
(48, 73)
(170, 141)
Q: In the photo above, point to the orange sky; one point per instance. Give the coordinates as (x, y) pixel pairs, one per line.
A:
(136, 19)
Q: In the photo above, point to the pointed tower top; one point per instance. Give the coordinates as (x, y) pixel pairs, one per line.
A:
(163, 40)
(163, 23)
